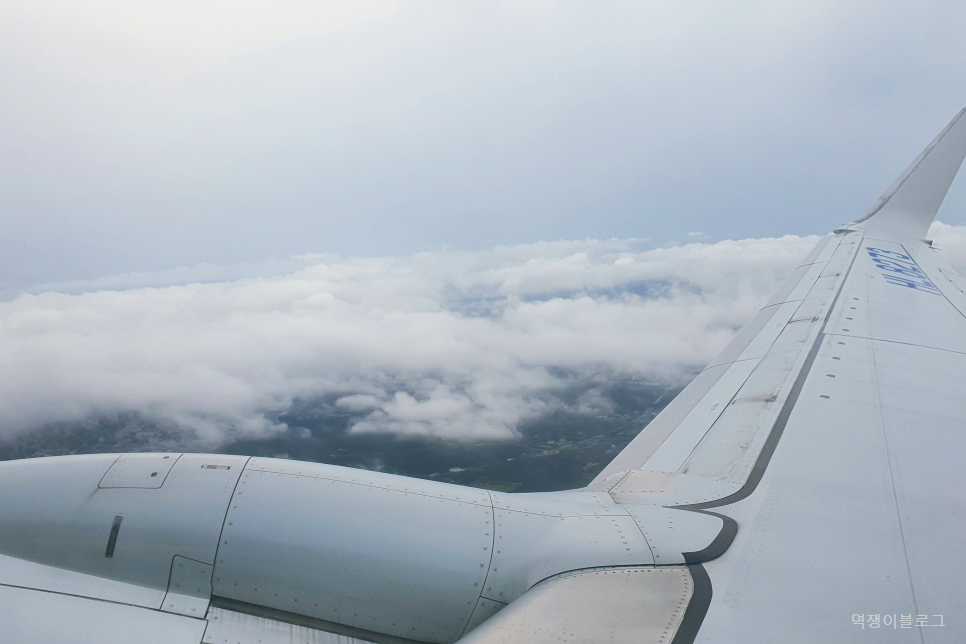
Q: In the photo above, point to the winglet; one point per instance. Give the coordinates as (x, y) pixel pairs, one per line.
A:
(910, 204)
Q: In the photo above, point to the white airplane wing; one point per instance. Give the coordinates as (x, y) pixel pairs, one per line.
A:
(831, 435)
(807, 486)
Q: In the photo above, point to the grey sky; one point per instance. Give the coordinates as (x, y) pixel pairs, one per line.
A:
(146, 136)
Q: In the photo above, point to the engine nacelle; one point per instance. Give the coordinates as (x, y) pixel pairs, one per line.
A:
(344, 550)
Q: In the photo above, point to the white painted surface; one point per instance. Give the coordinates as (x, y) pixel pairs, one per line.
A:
(52, 512)
(29, 574)
(35, 617)
(407, 561)
(674, 452)
(189, 588)
(616, 606)
(139, 470)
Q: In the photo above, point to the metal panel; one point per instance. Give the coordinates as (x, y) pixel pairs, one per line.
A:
(819, 538)
(890, 310)
(29, 574)
(732, 444)
(52, 512)
(239, 628)
(758, 348)
(35, 617)
(189, 588)
(801, 280)
(671, 532)
(406, 563)
(638, 487)
(957, 280)
(139, 470)
(240, 613)
(649, 440)
(745, 336)
(951, 283)
(368, 478)
(531, 547)
(673, 453)
(226, 626)
(644, 482)
(805, 285)
(615, 606)
(558, 504)
(485, 609)
(923, 411)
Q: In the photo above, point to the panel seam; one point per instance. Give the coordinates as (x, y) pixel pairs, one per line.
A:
(892, 482)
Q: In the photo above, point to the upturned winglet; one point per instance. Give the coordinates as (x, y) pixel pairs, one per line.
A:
(910, 204)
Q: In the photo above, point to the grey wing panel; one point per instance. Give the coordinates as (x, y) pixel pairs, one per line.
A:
(859, 514)
(38, 617)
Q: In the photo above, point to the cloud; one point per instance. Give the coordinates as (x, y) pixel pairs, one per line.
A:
(951, 240)
(460, 345)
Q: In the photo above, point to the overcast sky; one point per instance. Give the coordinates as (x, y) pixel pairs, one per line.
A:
(148, 136)
(438, 215)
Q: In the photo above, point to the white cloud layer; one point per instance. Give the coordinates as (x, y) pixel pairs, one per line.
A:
(463, 345)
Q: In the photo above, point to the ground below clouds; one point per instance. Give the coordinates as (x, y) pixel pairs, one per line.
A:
(563, 449)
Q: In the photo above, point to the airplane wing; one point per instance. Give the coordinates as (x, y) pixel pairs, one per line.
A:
(807, 486)
(830, 436)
